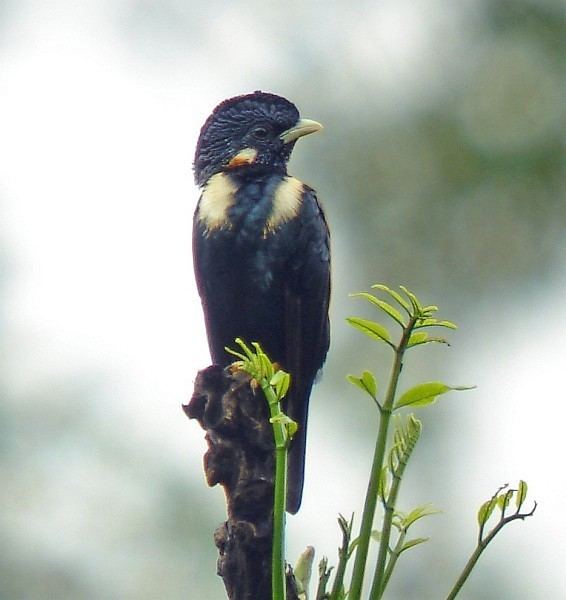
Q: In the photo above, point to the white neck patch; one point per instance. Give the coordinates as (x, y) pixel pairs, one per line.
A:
(286, 203)
(217, 197)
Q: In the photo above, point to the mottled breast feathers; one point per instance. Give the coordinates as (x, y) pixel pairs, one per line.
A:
(220, 195)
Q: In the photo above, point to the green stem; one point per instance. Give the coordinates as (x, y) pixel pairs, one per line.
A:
(278, 586)
(278, 556)
(466, 572)
(395, 554)
(369, 509)
(481, 546)
(378, 456)
(379, 577)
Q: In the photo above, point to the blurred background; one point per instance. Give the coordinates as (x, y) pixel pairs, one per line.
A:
(441, 167)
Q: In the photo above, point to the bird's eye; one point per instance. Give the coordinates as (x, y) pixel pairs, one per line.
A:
(260, 133)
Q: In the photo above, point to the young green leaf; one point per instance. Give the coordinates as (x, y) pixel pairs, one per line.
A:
(366, 382)
(391, 311)
(370, 383)
(371, 329)
(418, 513)
(420, 337)
(412, 543)
(448, 324)
(521, 493)
(357, 381)
(233, 352)
(265, 366)
(427, 310)
(486, 510)
(290, 425)
(431, 322)
(503, 500)
(280, 382)
(245, 356)
(384, 306)
(247, 350)
(395, 295)
(424, 394)
(417, 307)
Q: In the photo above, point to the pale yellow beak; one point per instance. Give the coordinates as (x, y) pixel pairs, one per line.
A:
(300, 128)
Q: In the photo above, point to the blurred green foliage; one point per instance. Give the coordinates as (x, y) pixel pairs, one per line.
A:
(464, 191)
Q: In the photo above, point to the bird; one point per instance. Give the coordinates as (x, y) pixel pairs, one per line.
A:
(261, 250)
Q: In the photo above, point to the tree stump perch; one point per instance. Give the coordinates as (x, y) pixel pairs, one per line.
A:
(240, 458)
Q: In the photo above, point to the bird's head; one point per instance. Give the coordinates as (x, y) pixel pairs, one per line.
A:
(255, 132)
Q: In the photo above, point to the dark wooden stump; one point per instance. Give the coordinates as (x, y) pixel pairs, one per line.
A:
(240, 458)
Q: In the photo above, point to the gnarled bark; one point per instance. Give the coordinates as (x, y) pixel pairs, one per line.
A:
(240, 458)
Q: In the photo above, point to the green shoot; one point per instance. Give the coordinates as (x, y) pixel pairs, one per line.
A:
(407, 312)
(274, 384)
(500, 500)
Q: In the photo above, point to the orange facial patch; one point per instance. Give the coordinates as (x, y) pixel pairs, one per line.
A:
(244, 157)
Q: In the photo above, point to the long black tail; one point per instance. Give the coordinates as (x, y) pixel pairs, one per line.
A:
(297, 409)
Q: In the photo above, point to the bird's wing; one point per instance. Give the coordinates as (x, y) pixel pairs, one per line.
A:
(307, 331)
(218, 321)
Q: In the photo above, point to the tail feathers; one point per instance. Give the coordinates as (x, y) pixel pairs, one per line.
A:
(297, 409)
(296, 469)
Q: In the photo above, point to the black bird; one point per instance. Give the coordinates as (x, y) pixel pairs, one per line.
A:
(261, 249)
